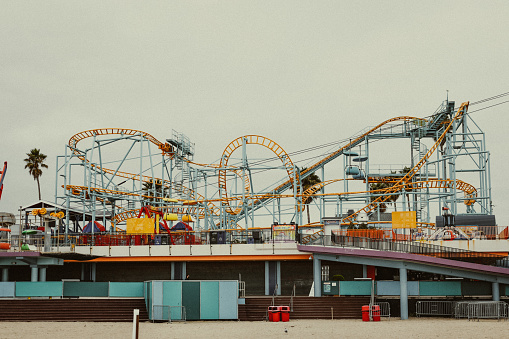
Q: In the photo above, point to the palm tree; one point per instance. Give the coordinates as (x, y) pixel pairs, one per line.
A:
(307, 182)
(392, 199)
(378, 186)
(34, 162)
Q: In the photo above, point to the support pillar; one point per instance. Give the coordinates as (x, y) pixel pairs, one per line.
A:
(267, 288)
(317, 276)
(403, 298)
(42, 273)
(5, 274)
(278, 277)
(495, 291)
(93, 271)
(364, 271)
(34, 276)
(178, 270)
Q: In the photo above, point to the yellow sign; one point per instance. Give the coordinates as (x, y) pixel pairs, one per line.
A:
(140, 226)
(404, 219)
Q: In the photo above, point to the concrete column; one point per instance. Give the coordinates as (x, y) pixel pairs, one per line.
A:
(267, 292)
(403, 298)
(364, 271)
(82, 272)
(278, 277)
(184, 270)
(35, 273)
(317, 276)
(495, 291)
(42, 273)
(93, 271)
(172, 271)
(5, 274)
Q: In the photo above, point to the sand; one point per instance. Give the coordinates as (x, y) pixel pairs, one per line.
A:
(395, 328)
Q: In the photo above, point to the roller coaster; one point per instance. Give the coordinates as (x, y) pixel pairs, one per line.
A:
(111, 174)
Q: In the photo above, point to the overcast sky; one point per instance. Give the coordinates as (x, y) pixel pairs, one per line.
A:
(302, 73)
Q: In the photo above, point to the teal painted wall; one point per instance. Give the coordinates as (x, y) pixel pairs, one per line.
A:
(85, 289)
(355, 288)
(39, 289)
(440, 288)
(126, 289)
(147, 290)
(209, 303)
(172, 296)
(191, 299)
(392, 288)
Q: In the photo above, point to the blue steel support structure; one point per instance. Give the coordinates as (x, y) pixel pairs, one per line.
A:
(317, 276)
(403, 299)
(495, 291)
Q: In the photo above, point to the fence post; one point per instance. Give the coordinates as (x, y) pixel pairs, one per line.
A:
(136, 323)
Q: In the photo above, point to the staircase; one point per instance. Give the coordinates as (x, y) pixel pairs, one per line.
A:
(346, 307)
(310, 238)
(96, 310)
(419, 150)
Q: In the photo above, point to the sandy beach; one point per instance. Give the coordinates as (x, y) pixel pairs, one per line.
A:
(395, 328)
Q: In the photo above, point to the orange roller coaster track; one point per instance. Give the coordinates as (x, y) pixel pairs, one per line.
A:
(223, 167)
(408, 176)
(252, 140)
(469, 190)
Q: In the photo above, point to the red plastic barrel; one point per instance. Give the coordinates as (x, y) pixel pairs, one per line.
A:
(365, 313)
(375, 312)
(274, 313)
(285, 313)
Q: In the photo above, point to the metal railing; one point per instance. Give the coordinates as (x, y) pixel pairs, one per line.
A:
(426, 233)
(242, 289)
(291, 298)
(274, 296)
(417, 248)
(385, 308)
(481, 310)
(210, 237)
(435, 308)
(169, 313)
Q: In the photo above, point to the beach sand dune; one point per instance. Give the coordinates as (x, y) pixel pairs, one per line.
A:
(395, 328)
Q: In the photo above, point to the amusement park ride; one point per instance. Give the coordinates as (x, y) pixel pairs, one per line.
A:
(2, 176)
(116, 175)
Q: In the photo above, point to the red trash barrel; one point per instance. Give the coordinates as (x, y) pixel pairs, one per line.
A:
(274, 313)
(365, 313)
(285, 313)
(375, 312)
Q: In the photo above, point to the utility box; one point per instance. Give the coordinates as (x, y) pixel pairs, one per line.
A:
(330, 288)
